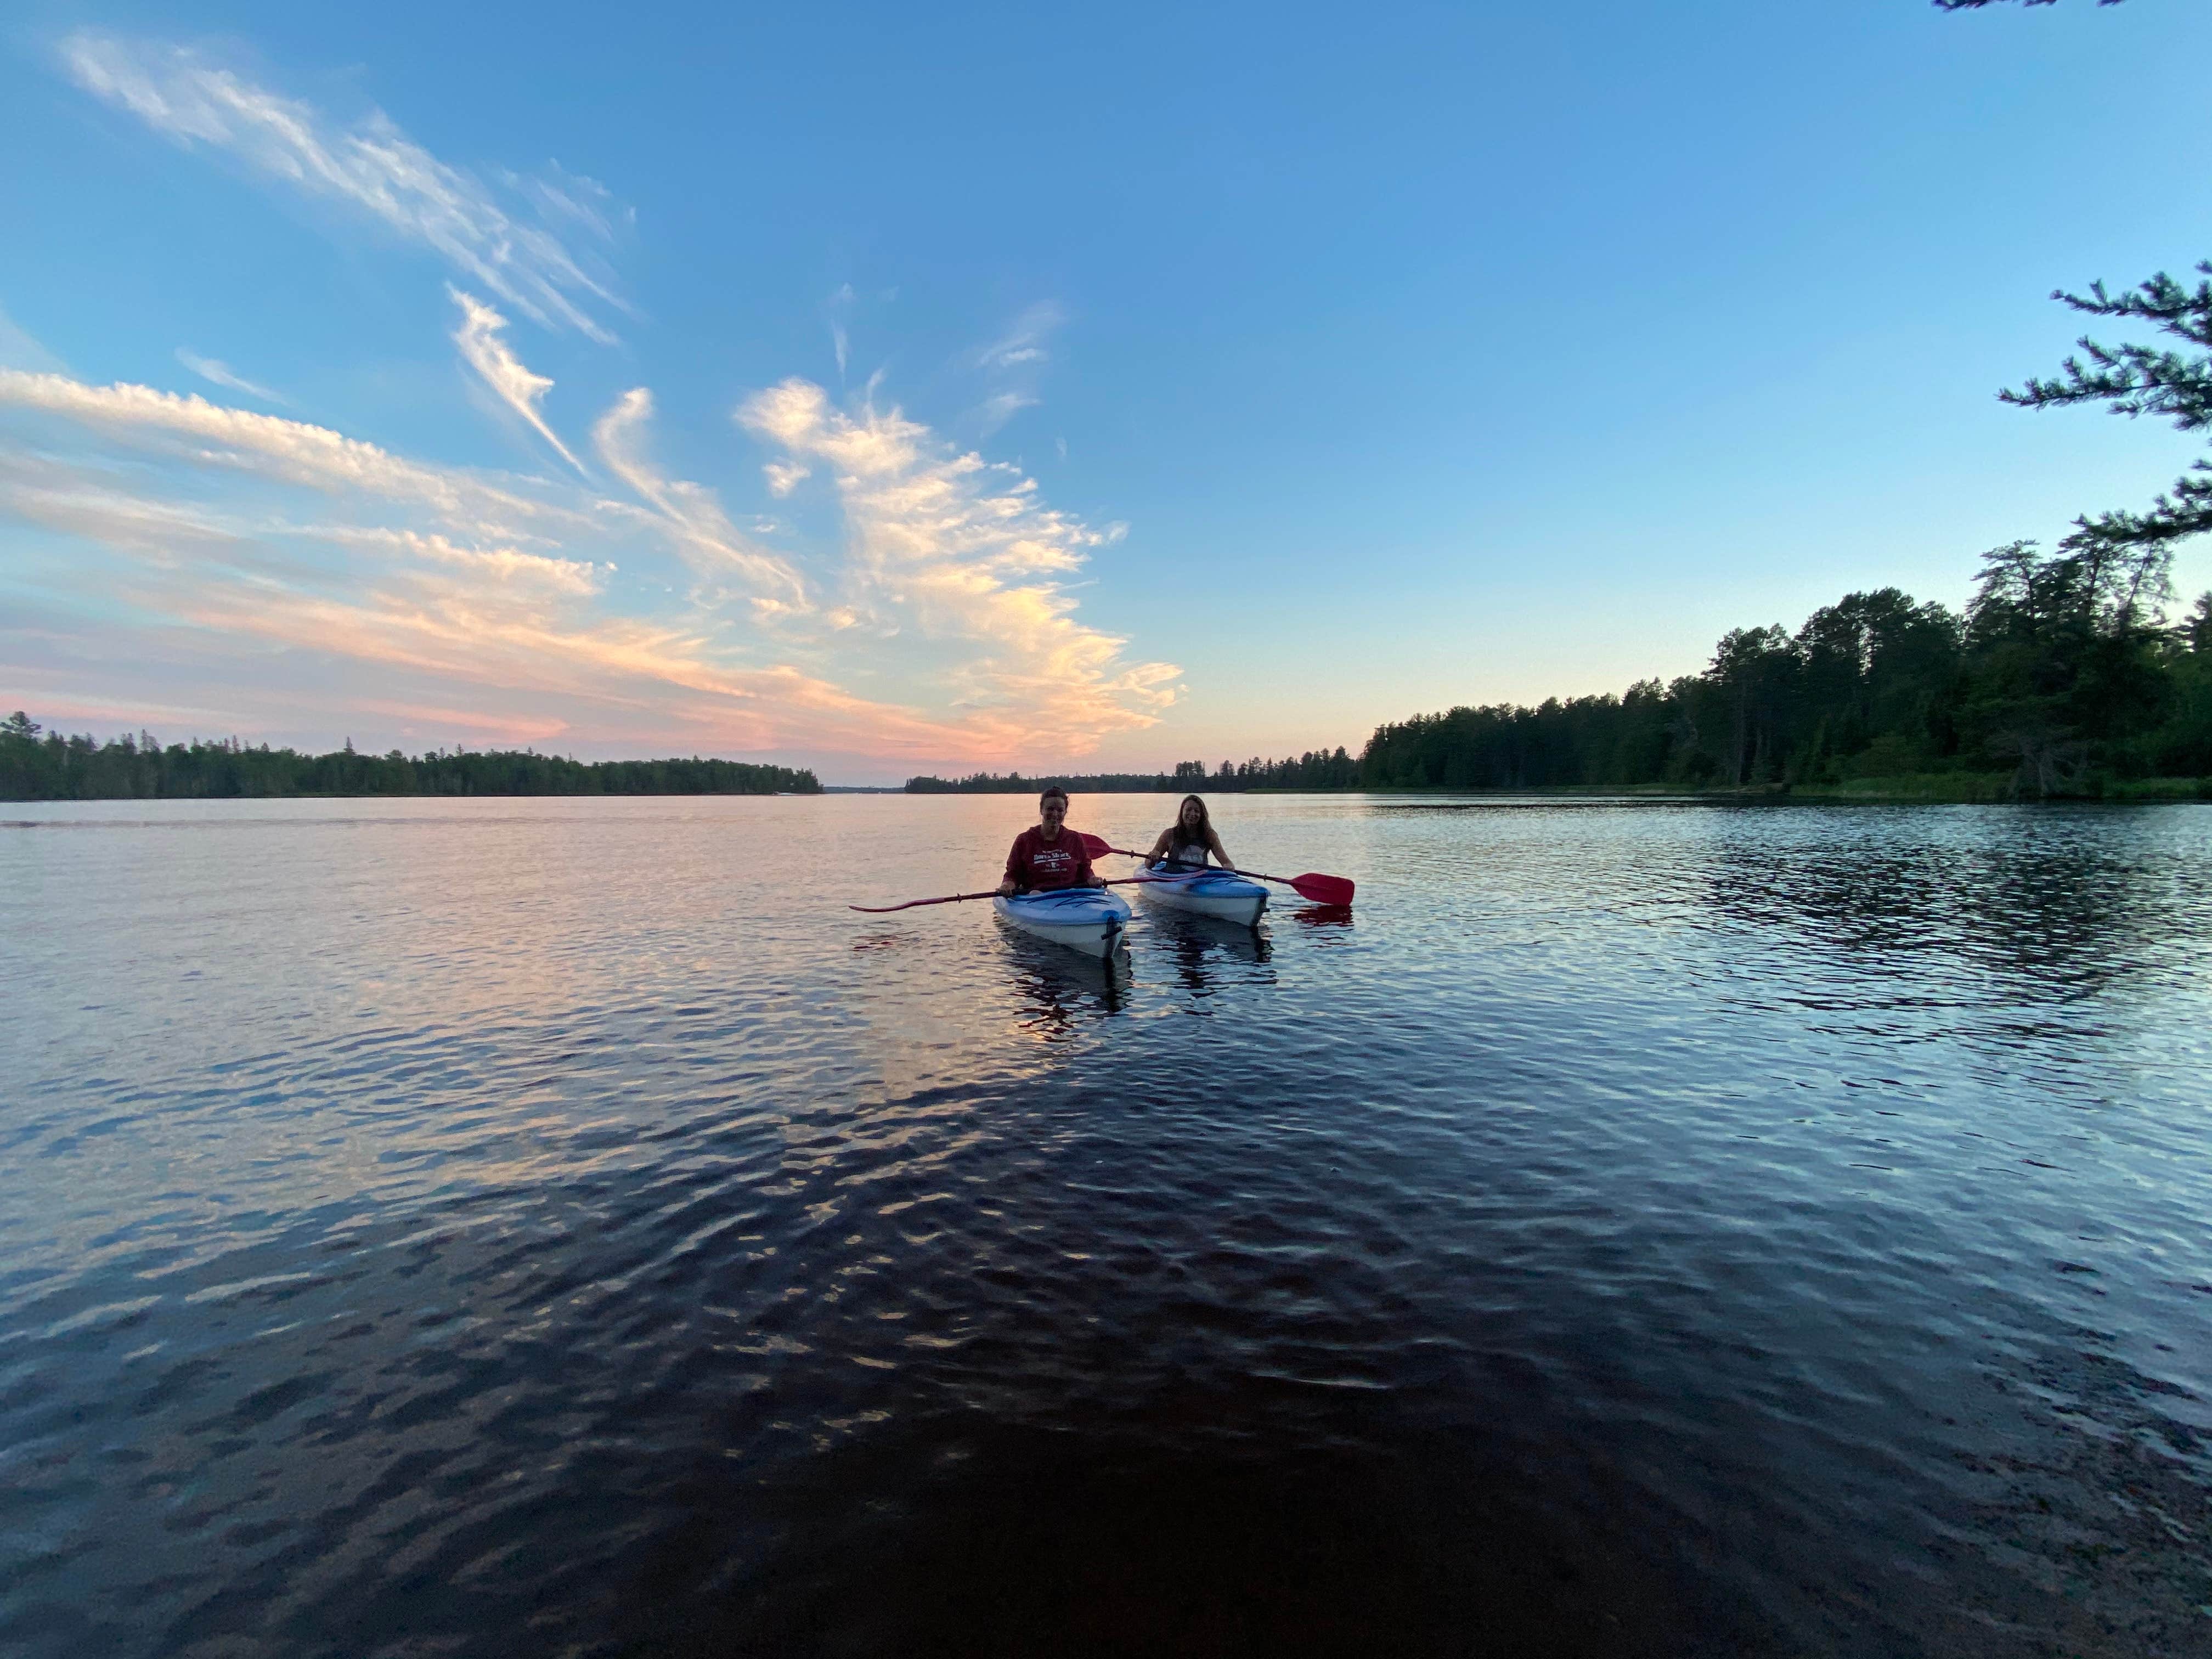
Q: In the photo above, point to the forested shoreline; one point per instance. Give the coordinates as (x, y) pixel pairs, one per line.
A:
(2061, 678)
(1317, 768)
(135, 767)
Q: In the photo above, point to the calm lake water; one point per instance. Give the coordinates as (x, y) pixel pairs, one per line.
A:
(543, 1227)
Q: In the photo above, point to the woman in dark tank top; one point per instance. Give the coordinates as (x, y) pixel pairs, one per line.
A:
(1189, 839)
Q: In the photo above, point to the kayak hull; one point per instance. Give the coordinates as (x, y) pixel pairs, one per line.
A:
(1213, 893)
(1087, 919)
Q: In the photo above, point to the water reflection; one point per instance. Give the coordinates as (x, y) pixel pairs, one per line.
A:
(2065, 902)
(541, 1230)
(1197, 947)
(1063, 988)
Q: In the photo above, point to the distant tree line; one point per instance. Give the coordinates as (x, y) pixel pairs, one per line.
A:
(1014, 783)
(2059, 674)
(1317, 768)
(52, 767)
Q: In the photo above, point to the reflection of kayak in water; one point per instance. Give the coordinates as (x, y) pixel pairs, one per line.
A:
(1200, 943)
(1086, 918)
(1206, 893)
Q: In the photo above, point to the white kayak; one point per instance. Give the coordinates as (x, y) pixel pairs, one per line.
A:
(1090, 920)
(1207, 892)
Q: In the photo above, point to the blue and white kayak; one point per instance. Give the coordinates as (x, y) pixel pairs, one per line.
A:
(1090, 920)
(1208, 892)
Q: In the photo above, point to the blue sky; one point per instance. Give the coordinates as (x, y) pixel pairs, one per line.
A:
(891, 389)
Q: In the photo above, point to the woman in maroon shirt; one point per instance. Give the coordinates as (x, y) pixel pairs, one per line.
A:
(1048, 857)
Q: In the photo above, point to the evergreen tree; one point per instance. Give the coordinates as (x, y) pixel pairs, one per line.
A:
(2196, 631)
(55, 768)
(2134, 379)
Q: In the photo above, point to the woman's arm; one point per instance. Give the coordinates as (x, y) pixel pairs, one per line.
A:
(1220, 853)
(1160, 847)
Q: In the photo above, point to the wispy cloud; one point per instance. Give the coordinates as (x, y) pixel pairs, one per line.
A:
(204, 436)
(784, 477)
(1001, 407)
(696, 519)
(583, 202)
(1024, 344)
(480, 338)
(1015, 363)
(408, 615)
(370, 165)
(501, 564)
(963, 550)
(217, 557)
(840, 306)
(123, 508)
(215, 372)
(215, 435)
(19, 350)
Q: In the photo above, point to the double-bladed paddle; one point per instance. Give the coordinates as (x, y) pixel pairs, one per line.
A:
(1317, 890)
(955, 898)
(1320, 889)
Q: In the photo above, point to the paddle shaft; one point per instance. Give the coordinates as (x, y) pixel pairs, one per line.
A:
(950, 898)
(1322, 890)
(959, 898)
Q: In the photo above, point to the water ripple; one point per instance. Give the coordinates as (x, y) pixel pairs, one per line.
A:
(561, 1227)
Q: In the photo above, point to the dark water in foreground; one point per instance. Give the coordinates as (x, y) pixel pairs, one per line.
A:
(530, 1227)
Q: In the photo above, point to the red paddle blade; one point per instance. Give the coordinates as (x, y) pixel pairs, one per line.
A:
(1322, 890)
(1092, 846)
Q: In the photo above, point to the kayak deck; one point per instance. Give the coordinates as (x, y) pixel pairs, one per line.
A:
(1205, 892)
(1087, 919)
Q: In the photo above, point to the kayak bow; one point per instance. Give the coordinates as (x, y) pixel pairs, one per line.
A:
(1206, 893)
(1086, 918)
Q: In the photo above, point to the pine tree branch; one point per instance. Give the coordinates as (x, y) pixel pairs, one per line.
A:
(2133, 379)
(2161, 300)
(2184, 511)
(2137, 379)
